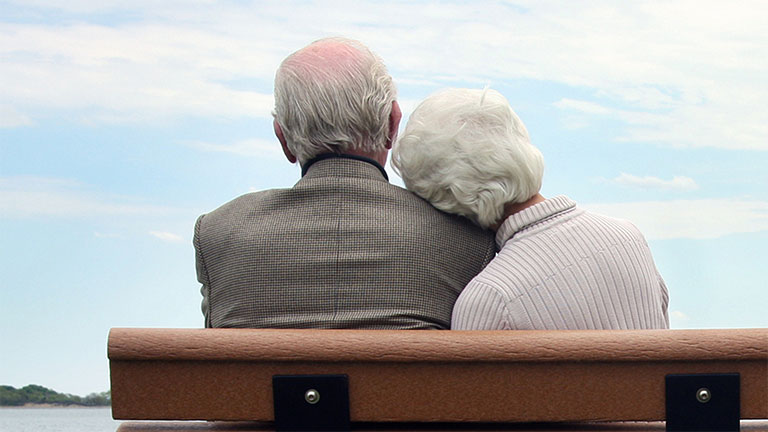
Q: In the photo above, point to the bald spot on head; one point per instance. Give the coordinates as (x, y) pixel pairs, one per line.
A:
(324, 58)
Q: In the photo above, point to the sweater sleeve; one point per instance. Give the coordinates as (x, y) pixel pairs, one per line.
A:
(665, 301)
(480, 307)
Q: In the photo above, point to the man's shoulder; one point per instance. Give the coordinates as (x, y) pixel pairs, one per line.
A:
(370, 200)
(420, 208)
(376, 193)
(244, 203)
(251, 198)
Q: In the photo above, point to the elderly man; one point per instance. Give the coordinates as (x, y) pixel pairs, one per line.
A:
(559, 267)
(343, 248)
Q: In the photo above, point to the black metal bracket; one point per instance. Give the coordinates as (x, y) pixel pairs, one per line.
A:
(311, 402)
(703, 402)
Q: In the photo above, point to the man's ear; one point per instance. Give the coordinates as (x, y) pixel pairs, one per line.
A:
(394, 123)
(283, 143)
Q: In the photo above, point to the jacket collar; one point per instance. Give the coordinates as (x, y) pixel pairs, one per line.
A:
(326, 156)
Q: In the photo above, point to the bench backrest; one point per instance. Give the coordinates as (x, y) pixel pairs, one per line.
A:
(429, 376)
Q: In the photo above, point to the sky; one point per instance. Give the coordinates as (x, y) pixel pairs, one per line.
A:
(122, 121)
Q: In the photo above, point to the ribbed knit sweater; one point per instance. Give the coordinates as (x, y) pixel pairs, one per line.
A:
(561, 267)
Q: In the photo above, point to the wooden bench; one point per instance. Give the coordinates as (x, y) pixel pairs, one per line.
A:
(449, 379)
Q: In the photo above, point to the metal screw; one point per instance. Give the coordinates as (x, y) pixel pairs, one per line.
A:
(703, 395)
(312, 396)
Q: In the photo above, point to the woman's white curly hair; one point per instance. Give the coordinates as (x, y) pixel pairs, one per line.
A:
(466, 152)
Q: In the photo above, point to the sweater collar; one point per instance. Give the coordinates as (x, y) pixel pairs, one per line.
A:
(532, 216)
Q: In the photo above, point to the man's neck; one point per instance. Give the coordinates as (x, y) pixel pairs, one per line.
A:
(512, 208)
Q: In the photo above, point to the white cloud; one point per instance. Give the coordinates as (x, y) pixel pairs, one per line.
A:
(678, 319)
(10, 118)
(407, 106)
(252, 148)
(167, 236)
(138, 73)
(680, 183)
(694, 219)
(683, 126)
(680, 73)
(22, 197)
(582, 106)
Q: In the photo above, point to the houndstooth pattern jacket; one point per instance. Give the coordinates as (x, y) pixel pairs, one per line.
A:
(343, 248)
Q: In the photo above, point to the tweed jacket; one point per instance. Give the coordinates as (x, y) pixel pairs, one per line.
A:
(343, 248)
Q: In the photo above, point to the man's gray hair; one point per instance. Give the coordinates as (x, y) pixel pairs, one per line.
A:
(466, 152)
(334, 95)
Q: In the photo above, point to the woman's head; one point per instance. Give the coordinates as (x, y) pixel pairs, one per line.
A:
(467, 152)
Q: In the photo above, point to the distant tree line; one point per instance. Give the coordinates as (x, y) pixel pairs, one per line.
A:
(35, 394)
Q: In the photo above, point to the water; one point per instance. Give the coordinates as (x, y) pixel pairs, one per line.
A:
(57, 420)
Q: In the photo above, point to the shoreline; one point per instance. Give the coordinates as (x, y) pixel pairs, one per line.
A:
(49, 405)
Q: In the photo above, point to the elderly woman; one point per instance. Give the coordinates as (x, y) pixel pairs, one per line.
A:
(558, 266)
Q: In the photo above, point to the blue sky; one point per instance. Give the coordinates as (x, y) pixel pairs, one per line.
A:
(122, 121)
